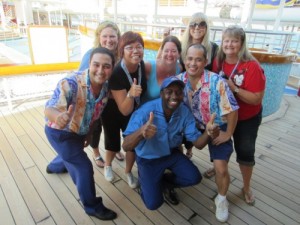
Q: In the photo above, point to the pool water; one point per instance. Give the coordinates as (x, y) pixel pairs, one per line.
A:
(290, 91)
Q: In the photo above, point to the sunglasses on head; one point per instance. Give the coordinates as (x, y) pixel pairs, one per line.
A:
(201, 24)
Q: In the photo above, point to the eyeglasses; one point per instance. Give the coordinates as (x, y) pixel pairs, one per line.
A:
(131, 48)
(202, 24)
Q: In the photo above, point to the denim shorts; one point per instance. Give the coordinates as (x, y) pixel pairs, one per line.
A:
(222, 151)
(244, 137)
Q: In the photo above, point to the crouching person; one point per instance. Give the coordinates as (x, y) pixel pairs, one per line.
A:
(155, 131)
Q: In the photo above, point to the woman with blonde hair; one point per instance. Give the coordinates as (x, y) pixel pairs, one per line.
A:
(107, 35)
(198, 31)
(247, 81)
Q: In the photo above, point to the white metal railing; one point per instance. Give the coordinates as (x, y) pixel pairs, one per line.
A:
(280, 42)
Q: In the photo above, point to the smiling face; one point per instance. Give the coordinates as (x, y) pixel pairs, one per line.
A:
(195, 61)
(170, 53)
(198, 29)
(231, 46)
(100, 69)
(171, 96)
(108, 38)
(133, 54)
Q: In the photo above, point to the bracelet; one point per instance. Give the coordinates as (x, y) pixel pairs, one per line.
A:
(129, 96)
(208, 133)
(236, 90)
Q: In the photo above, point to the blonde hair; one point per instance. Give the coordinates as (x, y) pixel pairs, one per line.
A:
(239, 33)
(186, 39)
(101, 27)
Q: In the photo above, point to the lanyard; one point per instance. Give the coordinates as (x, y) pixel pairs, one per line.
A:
(222, 71)
(137, 99)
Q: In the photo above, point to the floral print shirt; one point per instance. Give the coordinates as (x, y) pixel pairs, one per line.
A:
(75, 89)
(212, 95)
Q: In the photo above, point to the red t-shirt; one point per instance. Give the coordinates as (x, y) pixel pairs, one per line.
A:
(248, 76)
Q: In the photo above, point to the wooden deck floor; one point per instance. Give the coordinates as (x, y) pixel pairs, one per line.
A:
(28, 195)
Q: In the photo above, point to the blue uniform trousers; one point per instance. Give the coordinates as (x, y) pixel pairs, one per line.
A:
(71, 155)
(153, 179)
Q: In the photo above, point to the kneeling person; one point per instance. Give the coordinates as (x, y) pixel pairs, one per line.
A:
(155, 131)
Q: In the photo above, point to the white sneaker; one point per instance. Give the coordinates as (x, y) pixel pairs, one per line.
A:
(108, 173)
(221, 210)
(131, 180)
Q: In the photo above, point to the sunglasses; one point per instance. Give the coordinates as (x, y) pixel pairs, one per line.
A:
(200, 25)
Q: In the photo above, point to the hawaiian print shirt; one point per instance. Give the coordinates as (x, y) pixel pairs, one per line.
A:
(212, 95)
(75, 90)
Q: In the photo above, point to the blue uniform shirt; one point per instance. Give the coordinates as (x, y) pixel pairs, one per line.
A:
(169, 134)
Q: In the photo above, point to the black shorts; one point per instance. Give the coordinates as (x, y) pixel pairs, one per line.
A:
(96, 134)
(244, 138)
(113, 122)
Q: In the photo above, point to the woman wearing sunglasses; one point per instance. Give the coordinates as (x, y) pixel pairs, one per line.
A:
(197, 31)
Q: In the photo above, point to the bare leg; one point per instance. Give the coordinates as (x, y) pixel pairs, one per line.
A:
(247, 174)
(108, 172)
(130, 159)
(189, 152)
(96, 152)
(97, 157)
(109, 157)
(222, 176)
(247, 192)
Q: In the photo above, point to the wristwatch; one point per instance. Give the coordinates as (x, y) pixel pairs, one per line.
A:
(236, 90)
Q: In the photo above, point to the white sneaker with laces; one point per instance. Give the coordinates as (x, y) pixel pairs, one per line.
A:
(131, 180)
(108, 173)
(221, 210)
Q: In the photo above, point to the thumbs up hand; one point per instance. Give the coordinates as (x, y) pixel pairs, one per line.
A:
(64, 118)
(212, 129)
(135, 90)
(149, 129)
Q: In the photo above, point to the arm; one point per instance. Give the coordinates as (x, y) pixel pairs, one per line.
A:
(61, 119)
(147, 131)
(202, 141)
(124, 100)
(231, 124)
(84, 64)
(147, 69)
(246, 96)
(211, 132)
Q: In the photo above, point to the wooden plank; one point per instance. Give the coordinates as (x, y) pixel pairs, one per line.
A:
(17, 147)
(262, 210)
(155, 215)
(11, 192)
(64, 208)
(48, 221)
(275, 180)
(59, 201)
(5, 214)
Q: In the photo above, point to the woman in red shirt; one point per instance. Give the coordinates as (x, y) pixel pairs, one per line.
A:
(247, 81)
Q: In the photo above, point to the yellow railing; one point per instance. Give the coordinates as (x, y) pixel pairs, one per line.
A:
(27, 69)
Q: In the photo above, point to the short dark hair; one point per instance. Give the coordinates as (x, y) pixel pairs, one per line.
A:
(174, 40)
(198, 46)
(103, 50)
(128, 38)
